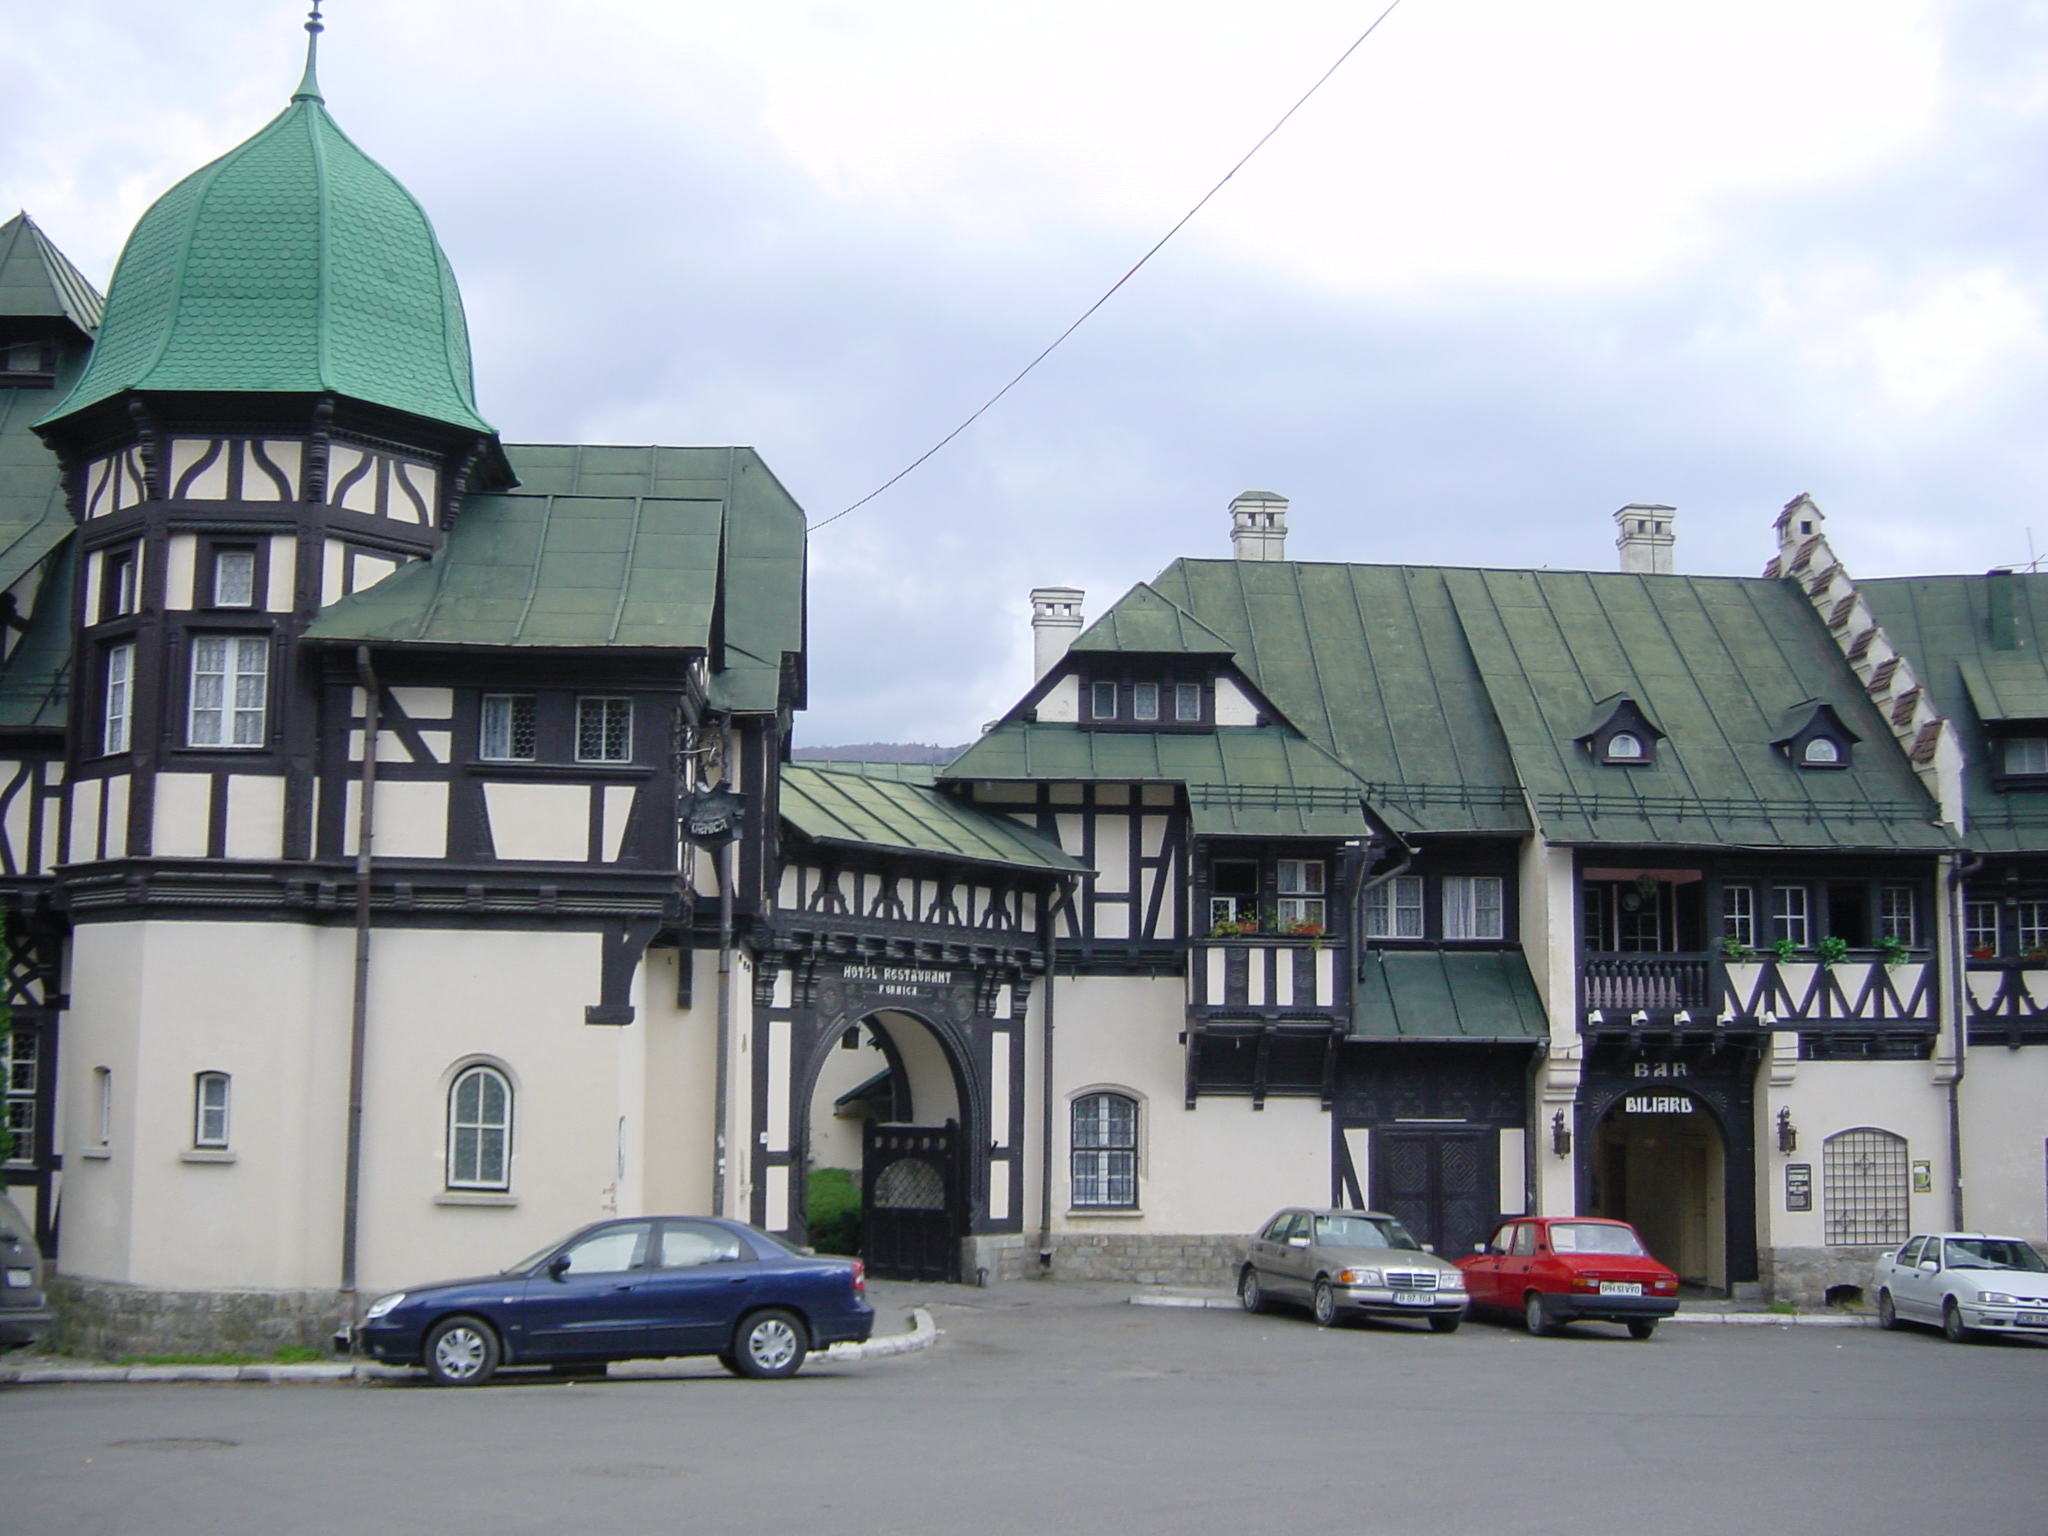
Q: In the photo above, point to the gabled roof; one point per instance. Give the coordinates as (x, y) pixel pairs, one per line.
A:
(1143, 622)
(1715, 661)
(836, 803)
(1943, 625)
(1240, 780)
(37, 279)
(602, 548)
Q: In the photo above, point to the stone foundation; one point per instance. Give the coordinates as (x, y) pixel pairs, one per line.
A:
(100, 1320)
(1802, 1276)
(1138, 1258)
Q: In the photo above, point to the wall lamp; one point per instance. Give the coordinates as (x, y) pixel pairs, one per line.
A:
(1560, 1135)
(1788, 1133)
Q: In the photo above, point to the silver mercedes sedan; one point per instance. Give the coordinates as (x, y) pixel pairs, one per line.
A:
(1350, 1263)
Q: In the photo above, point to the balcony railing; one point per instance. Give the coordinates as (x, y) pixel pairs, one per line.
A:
(1864, 987)
(1661, 983)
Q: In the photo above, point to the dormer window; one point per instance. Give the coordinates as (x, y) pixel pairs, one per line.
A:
(1145, 701)
(1102, 701)
(25, 362)
(1816, 737)
(1187, 702)
(1621, 735)
(1624, 746)
(2026, 756)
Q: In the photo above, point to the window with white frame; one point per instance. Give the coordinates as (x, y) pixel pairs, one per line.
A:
(120, 698)
(1896, 914)
(230, 690)
(1102, 701)
(1145, 701)
(1792, 914)
(1393, 910)
(1738, 915)
(1301, 894)
(1980, 929)
(1187, 701)
(2026, 754)
(1472, 907)
(507, 733)
(234, 578)
(480, 1130)
(1105, 1152)
(1864, 1188)
(2032, 933)
(117, 583)
(604, 730)
(19, 1077)
(1233, 890)
(210, 1110)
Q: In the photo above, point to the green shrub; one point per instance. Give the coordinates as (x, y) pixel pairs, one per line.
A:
(832, 1210)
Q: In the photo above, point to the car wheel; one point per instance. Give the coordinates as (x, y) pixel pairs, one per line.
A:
(769, 1345)
(730, 1361)
(1447, 1323)
(461, 1352)
(1326, 1305)
(1952, 1327)
(1534, 1318)
(1887, 1314)
(1250, 1294)
(1642, 1327)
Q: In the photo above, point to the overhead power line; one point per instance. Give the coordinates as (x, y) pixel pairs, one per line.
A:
(1110, 292)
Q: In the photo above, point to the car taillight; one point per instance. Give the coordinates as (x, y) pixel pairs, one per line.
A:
(1665, 1285)
(860, 1278)
(1585, 1283)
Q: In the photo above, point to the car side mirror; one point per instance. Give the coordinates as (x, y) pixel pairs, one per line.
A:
(1429, 1247)
(1297, 1242)
(558, 1266)
(1482, 1247)
(1932, 1266)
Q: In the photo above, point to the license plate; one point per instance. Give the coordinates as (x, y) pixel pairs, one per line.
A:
(1621, 1287)
(2033, 1319)
(1413, 1299)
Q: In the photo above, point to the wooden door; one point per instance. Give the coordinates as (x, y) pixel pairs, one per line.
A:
(911, 1217)
(1441, 1183)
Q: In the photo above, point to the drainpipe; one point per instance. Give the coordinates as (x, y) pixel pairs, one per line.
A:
(1048, 943)
(1358, 939)
(359, 1016)
(724, 1064)
(1958, 989)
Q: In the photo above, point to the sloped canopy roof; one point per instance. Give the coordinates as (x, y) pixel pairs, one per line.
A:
(1144, 622)
(35, 684)
(293, 264)
(1435, 994)
(37, 279)
(839, 804)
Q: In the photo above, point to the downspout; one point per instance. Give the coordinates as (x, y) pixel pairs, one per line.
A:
(1358, 938)
(1958, 989)
(359, 1016)
(724, 1064)
(1048, 942)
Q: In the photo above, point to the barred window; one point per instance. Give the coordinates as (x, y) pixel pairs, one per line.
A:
(230, 688)
(480, 1130)
(1895, 915)
(1394, 910)
(508, 729)
(18, 1077)
(1106, 1152)
(210, 1110)
(604, 730)
(120, 699)
(1864, 1187)
(1980, 929)
(1738, 915)
(1472, 907)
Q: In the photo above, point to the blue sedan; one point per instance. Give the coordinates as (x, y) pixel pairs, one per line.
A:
(629, 1290)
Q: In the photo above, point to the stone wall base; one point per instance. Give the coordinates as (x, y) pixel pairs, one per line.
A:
(97, 1319)
(1140, 1258)
(1802, 1276)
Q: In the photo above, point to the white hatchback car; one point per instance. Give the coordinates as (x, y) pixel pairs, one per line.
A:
(1964, 1282)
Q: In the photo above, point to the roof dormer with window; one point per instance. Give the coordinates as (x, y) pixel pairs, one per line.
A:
(1815, 737)
(1621, 736)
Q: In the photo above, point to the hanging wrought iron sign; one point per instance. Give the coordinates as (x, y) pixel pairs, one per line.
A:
(712, 817)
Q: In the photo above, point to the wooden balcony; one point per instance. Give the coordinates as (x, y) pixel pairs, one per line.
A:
(1863, 989)
(1265, 975)
(2008, 1001)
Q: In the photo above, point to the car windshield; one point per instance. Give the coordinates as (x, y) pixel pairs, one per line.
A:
(1592, 1237)
(530, 1260)
(1363, 1232)
(1993, 1253)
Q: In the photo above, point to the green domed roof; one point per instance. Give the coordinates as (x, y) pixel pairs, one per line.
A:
(293, 264)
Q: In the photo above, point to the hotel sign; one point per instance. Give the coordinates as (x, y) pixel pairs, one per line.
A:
(903, 980)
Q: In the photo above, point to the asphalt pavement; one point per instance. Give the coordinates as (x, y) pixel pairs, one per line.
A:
(1061, 1410)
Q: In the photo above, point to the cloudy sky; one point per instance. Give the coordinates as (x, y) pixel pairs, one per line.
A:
(1516, 265)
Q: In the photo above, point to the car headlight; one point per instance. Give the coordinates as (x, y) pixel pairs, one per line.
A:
(382, 1305)
(1454, 1281)
(1360, 1277)
(1997, 1299)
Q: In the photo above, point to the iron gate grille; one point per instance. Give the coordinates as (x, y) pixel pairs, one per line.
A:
(1864, 1188)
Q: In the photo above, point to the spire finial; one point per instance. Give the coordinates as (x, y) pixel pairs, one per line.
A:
(309, 87)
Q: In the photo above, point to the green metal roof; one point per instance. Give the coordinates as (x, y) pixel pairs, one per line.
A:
(1437, 994)
(838, 806)
(292, 264)
(35, 683)
(697, 548)
(1715, 662)
(1143, 621)
(1241, 780)
(1943, 625)
(34, 516)
(37, 279)
(1368, 661)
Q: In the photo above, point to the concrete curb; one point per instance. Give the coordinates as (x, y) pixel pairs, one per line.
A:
(923, 1334)
(1723, 1319)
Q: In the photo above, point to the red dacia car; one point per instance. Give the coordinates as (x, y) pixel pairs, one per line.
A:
(1566, 1269)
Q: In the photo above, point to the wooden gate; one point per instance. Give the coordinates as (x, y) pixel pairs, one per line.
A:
(911, 1218)
(1439, 1183)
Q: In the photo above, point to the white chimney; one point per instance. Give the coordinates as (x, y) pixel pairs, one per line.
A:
(1055, 624)
(1258, 526)
(1646, 538)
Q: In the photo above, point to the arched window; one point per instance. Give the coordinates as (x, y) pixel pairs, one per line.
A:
(1821, 751)
(1864, 1187)
(1624, 747)
(210, 1110)
(480, 1130)
(1105, 1152)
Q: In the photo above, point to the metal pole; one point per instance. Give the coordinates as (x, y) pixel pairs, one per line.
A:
(718, 1182)
(359, 1019)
